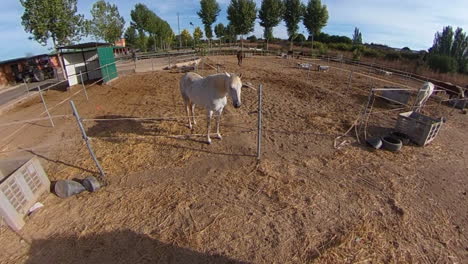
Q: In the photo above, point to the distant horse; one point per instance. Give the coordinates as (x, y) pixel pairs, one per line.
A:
(240, 56)
(211, 93)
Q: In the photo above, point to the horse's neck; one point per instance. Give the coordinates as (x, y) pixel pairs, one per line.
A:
(219, 84)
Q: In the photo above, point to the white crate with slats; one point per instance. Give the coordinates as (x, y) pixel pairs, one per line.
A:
(20, 190)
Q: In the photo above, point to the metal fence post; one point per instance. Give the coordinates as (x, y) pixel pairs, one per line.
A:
(45, 106)
(86, 139)
(27, 87)
(84, 87)
(259, 121)
(350, 80)
(107, 74)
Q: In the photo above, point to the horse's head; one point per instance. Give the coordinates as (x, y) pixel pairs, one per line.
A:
(235, 85)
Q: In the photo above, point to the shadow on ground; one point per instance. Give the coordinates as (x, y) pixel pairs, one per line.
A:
(124, 246)
(109, 126)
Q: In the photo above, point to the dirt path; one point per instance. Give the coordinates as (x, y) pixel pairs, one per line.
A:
(179, 200)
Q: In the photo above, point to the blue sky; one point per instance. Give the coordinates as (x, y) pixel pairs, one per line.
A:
(397, 23)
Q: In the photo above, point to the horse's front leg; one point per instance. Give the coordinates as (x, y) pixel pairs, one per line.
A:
(218, 120)
(208, 125)
(193, 114)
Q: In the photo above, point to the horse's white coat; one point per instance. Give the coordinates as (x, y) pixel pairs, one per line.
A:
(211, 93)
(423, 95)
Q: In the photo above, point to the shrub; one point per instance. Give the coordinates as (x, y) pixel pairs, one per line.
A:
(341, 46)
(319, 45)
(410, 55)
(323, 49)
(252, 39)
(299, 39)
(372, 53)
(357, 54)
(392, 56)
(442, 63)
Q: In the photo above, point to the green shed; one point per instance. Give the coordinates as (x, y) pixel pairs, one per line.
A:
(94, 60)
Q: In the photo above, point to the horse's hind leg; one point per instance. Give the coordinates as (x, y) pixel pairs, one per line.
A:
(218, 120)
(208, 125)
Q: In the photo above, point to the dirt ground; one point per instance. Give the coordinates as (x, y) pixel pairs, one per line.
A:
(171, 198)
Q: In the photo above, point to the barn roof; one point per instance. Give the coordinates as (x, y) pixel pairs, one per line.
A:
(22, 59)
(87, 45)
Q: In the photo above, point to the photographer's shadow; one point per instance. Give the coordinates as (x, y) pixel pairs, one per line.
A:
(123, 246)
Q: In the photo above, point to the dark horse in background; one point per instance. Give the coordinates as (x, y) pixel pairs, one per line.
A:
(240, 56)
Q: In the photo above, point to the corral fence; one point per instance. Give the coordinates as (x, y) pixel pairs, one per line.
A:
(80, 121)
(82, 88)
(48, 108)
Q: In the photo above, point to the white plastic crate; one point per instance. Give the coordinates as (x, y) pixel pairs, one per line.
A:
(420, 129)
(20, 190)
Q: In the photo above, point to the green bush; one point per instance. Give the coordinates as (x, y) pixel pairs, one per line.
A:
(323, 50)
(372, 53)
(442, 63)
(357, 54)
(252, 39)
(299, 39)
(410, 55)
(341, 46)
(392, 56)
(318, 45)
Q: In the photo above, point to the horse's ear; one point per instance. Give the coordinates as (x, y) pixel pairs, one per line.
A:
(240, 75)
(228, 75)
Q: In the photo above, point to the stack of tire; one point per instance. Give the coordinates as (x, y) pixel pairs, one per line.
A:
(391, 142)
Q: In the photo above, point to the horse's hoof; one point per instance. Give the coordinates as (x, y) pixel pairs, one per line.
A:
(218, 136)
(208, 142)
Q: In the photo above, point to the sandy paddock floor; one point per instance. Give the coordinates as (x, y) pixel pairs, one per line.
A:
(179, 200)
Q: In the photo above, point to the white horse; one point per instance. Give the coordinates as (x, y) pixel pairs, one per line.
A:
(211, 93)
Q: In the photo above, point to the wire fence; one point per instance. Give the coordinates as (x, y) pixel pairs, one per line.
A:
(191, 54)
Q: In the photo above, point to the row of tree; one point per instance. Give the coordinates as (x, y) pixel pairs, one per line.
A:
(58, 20)
(242, 15)
(449, 53)
(147, 30)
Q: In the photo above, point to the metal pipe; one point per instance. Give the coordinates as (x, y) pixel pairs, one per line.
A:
(27, 87)
(84, 87)
(259, 121)
(350, 80)
(86, 139)
(45, 106)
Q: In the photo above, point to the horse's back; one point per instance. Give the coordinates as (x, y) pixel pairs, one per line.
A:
(189, 78)
(187, 81)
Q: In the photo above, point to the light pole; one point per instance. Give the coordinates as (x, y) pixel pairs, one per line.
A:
(193, 33)
(178, 27)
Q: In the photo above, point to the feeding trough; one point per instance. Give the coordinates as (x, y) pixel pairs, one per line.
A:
(395, 96)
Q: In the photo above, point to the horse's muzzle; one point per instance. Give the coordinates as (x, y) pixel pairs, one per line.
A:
(237, 105)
